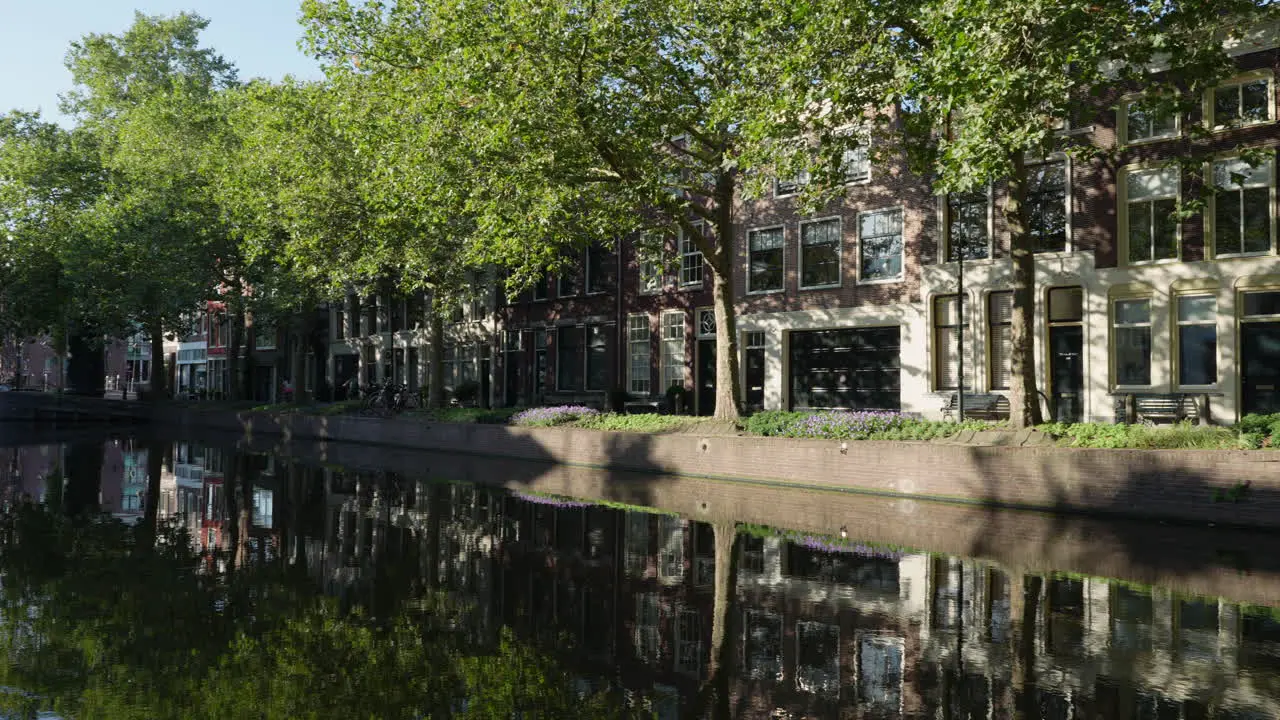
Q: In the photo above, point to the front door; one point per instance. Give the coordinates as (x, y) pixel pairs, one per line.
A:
(755, 378)
(1260, 367)
(706, 377)
(512, 383)
(1066, 372)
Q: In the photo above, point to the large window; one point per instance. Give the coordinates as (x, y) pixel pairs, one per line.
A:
(820, 253)
(947, 321)
(596, 268)
(598, 361)
(638, 351)
(649, 260)
(567, 280)
(568, 358)
(1197, 340)
(1151, 226)
(1047, 206)
(1143, 122)
(967, 225)
(672, 349)
(1133, 342)
(855, 163)
(764, 260)
(1242, 222)
(1242, 103)
(540, 288)
(880, 244)
(1000, 322)
(690, 258)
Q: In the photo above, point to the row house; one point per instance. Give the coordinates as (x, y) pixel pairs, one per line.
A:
(859, 305)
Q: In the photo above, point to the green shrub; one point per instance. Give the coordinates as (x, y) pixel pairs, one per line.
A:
(642, 423)
(478, 416)
(771, 423)
(1182, 435)
(856, 425)
(1255, 423)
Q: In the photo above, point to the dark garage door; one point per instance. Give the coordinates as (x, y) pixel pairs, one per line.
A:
(857, 369)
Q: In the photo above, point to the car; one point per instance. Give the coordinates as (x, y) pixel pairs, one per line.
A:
(5, 388)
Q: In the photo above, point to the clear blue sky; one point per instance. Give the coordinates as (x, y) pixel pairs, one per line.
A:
(259, 36)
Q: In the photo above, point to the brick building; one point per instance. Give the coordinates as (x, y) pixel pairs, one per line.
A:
(857, 305)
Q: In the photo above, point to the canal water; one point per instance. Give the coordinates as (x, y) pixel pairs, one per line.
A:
(146, 579)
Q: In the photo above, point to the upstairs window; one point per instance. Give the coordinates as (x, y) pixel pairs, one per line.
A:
(1152, 227)
(1047, 206)
(967, 225)
(880, 244)
(764, 260)
(1244, 102)
(651, 273)
(1242, 207)
(820, 253)
(690, 259)
(1140, 122)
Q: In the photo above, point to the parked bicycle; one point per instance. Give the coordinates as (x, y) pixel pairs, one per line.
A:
(387, 399)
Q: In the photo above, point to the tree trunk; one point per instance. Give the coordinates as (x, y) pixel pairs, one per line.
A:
(435, 361)
(728, 397)
(713, 696)
(235, 335)
(295, 359)
(246, 377)
(1024, 399)
(244, 518)
(151, 515)
(159, 376)
(1024, 680)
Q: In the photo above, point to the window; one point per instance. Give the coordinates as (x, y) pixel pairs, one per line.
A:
(947, 321)
(1047, 206)
(598, 344)
(568, 358)
(1242, 222)
(880, 243)
(1242, 103)
(967, 225)
(264, 337)
(791, 186)
(339, 327)
(540, 288)
(639, 354)
(855, 163)
(1133, 342)
(597, 280)
(688, 657)
(820, 253)
(1000, 321)
(672, 349)
(648, 640)
(818, 658)
(764, 260)
(1141, 122)
(690, 258)
(880, 674)
(706, 323)
(1151, 227)
(1197, 340)
(567, 280)
(762, 645)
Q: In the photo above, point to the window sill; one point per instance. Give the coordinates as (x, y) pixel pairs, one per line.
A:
(1241, 126)
(754, 293)
(1150, 263)
(692, 287)
(881, 281)
(1149, 141)
(1238, 256)
(834, 286)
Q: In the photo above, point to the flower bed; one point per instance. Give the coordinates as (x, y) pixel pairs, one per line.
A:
(855, 425)
(549, 416)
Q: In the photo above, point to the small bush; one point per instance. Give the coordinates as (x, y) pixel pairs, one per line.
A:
(845, 425)
(1183, 435)
(549, 416)
(478, 416)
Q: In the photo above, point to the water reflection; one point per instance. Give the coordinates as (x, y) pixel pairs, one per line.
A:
(250, 585)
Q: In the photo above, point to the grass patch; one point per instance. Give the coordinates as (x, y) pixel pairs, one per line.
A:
(473, 416)
(844, 425)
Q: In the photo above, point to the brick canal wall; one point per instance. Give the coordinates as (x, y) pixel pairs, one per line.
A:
(1239, 488)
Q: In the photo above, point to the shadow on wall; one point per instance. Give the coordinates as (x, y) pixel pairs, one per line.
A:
(1237, 546)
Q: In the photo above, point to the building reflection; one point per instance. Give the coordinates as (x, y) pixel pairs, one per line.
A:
(817, 626)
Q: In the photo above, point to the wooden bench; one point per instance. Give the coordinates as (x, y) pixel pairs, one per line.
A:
(1152, 408)
(641, 407)
(981, 406)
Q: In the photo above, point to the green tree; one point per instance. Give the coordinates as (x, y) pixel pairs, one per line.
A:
(972, 90)
(563, 122)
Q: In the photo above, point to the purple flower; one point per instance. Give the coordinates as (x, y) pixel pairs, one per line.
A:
(552, 500)
(833, 545)
(556, 415)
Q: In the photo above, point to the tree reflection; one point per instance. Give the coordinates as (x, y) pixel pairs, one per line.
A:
(106, 620)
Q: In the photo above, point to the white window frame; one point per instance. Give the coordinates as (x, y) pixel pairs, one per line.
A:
(1116, 325)
(651, 268)
(1122, 124)
(839, 221)
(751, 233)
(673, 350)
(687, 242)
(961, 321)
(1211, 231)
(634, 340)
(1122, 210)
(944, 211)
(850, 155)
(1179, 323)
(858, 245)
(1239, 81)
(993, 339)
(698, 314)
